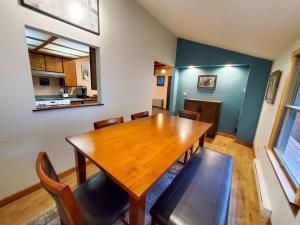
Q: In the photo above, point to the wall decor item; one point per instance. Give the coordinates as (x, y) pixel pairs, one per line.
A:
(85, 71)
(160, 80)
(207, 81)
(83, 14)
(272, 87)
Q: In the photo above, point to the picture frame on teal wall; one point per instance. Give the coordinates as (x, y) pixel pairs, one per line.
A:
(207, 81)
(272, 86)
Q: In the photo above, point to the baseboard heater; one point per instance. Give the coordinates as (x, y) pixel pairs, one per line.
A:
(264, 204)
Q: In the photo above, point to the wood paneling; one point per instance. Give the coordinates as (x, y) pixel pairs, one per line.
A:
(70, 72)
(209, 112)
(37, 61)
(244, 208)
(54, 64)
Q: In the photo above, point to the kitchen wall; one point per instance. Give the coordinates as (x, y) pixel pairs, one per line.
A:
(231, 84)
(197, 54)
(52, 89)
(80, 80)
(130, 41)
(282, 212)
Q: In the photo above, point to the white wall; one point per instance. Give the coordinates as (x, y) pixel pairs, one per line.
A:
(130, 40)
(282, 213)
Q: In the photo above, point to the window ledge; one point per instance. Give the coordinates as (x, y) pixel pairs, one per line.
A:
(65, 107)
(292, 195)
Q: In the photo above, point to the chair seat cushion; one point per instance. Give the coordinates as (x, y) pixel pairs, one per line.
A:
(199, 194)
(101, 201)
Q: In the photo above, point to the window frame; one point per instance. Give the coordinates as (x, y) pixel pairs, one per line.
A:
(292, 193)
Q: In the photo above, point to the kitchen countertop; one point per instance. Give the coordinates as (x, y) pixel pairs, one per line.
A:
(55, 107)
(58, 97)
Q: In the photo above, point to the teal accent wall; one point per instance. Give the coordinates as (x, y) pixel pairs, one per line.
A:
(231, 84)
(197, 54)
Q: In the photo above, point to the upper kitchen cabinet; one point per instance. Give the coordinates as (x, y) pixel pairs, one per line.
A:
(54, 64)
(37, 61)
(70, 72)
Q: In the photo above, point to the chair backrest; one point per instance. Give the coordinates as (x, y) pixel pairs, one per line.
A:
(61, 193)
(108, 122)
(189, 114)
(139, 115)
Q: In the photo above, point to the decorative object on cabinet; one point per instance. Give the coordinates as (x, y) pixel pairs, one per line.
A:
(207, 81)
(160, 81)
(85, 71)
(209, 111)
(81, 14)
(272, 87)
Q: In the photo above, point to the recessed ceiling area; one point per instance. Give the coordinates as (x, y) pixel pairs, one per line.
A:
(259, 28)
(43, 42)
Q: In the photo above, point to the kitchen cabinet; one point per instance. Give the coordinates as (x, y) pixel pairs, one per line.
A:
(54, 64)
(70, 72)
(37, 61)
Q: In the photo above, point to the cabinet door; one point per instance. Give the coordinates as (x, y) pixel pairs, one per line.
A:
(37, 61)
(70, 72)
(54, 64)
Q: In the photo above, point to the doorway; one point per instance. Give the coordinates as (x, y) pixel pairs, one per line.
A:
(161, 87)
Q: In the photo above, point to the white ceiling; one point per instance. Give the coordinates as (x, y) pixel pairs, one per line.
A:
(262, 28)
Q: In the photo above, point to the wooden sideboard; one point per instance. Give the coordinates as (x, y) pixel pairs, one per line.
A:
(209, 112)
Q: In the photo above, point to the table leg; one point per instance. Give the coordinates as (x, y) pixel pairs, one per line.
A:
(80, 167)
(202, 140)
(137, 211)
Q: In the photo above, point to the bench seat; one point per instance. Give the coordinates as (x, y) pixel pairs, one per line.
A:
(199, 194)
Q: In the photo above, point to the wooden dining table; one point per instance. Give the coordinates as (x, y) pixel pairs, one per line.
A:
(136, 154)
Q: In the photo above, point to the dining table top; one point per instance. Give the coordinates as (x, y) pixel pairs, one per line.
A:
(137, 153)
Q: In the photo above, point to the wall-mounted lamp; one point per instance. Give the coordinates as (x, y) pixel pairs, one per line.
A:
(191, 66)
(228, 65)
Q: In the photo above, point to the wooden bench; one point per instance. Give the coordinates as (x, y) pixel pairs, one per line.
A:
(199, 194)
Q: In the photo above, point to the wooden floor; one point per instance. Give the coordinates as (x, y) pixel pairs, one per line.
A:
(244, 209)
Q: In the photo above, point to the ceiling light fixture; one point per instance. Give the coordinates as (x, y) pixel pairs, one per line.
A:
(163, 71)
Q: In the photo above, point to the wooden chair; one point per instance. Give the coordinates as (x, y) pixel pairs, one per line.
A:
(139, 115)
(97, 201)
(189, 114)
(192, 116)
(108, 122)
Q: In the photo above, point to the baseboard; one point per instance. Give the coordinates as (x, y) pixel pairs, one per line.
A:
(243, 143)
(226, 134)
(32, 188)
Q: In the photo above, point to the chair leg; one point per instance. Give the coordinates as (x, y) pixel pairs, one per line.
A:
(185, 157)
(191, 152)
(61, 222)
(153, 221)
(124, 221)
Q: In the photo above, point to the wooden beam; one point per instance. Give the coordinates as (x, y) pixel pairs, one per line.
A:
(49, 41)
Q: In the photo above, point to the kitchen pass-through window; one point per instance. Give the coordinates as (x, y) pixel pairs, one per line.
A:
(64, 72)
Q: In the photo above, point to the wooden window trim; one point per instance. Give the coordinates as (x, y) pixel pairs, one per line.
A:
(292, 194)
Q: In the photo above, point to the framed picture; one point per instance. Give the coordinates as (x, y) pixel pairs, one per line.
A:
(160, 80)
(272, 87)
(207, 81)
(81, 14)
(85, 71)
